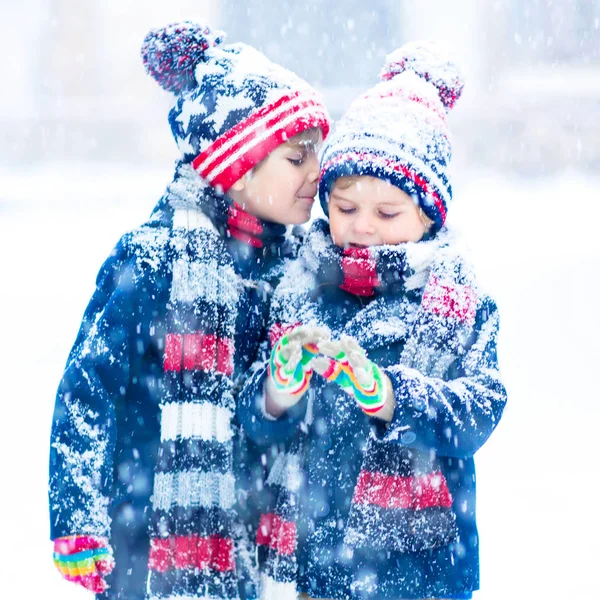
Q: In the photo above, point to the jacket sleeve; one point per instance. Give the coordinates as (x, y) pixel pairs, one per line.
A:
(456, 416)
(83, 427)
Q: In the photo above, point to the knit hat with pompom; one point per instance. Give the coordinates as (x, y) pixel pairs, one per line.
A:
(232, 105)
(397, 130)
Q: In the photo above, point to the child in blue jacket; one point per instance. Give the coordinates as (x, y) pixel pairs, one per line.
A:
(141, 459)
(375, 495)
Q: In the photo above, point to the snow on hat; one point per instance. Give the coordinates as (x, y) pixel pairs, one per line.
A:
(233, 106)
(397, 130)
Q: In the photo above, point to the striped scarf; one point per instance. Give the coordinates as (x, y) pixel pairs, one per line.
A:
(401, 500)
(195, 540)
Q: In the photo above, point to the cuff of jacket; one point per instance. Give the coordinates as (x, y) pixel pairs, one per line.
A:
(386, 412)
(62, 530)
(281, 399)
(411, 393)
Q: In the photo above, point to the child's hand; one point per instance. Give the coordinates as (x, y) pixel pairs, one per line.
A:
(84, 559)
(348, 366)
(290, 365)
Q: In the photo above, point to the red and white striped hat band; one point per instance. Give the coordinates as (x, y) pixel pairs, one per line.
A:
(436, 193)
(233, 154)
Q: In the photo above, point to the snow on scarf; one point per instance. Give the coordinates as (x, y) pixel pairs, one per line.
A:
(193, 530)
(401, 501)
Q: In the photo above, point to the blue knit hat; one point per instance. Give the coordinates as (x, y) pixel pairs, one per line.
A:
(397, 130)
(232, 106)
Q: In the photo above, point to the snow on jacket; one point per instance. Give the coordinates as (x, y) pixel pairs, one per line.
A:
(177, 315)
(338, 528)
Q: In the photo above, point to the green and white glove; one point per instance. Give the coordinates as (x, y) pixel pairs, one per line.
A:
(348, 366)
(290, 365)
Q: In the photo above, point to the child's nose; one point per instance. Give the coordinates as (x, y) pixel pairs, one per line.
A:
(363, 223)
(313, 168)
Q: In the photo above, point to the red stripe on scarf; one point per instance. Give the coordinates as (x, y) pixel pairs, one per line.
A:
(198, 351)
(225, 352)
(244, 227)
(276, 533)
(360, 277)
(451, 300)
(190, 552)
(173, 352)
(391, 491)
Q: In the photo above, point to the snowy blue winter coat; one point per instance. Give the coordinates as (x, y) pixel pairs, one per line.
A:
(354, 515)
(106, 427)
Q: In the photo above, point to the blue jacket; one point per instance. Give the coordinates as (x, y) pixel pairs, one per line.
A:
(449, 399)
(105, 429)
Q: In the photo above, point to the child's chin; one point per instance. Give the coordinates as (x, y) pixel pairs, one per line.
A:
(300, 218)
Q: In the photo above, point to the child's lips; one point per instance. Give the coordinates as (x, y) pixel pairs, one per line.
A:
(354, 245)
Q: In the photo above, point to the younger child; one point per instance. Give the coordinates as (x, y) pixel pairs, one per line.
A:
(177, 315)
(376, 495)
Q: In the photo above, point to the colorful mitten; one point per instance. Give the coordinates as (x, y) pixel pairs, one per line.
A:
(290, 366)
(348, 367)
(84, 559)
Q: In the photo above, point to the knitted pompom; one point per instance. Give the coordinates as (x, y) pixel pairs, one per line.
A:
(432, 62)
(171, 53)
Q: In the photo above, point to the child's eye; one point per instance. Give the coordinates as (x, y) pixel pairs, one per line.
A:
(388, 215)
(346, 211)
(296, 161)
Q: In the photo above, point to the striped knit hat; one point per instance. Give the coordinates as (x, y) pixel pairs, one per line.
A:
(397, 130)
(232, 106)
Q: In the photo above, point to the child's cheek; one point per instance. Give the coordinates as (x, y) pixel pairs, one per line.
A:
(335, 228)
